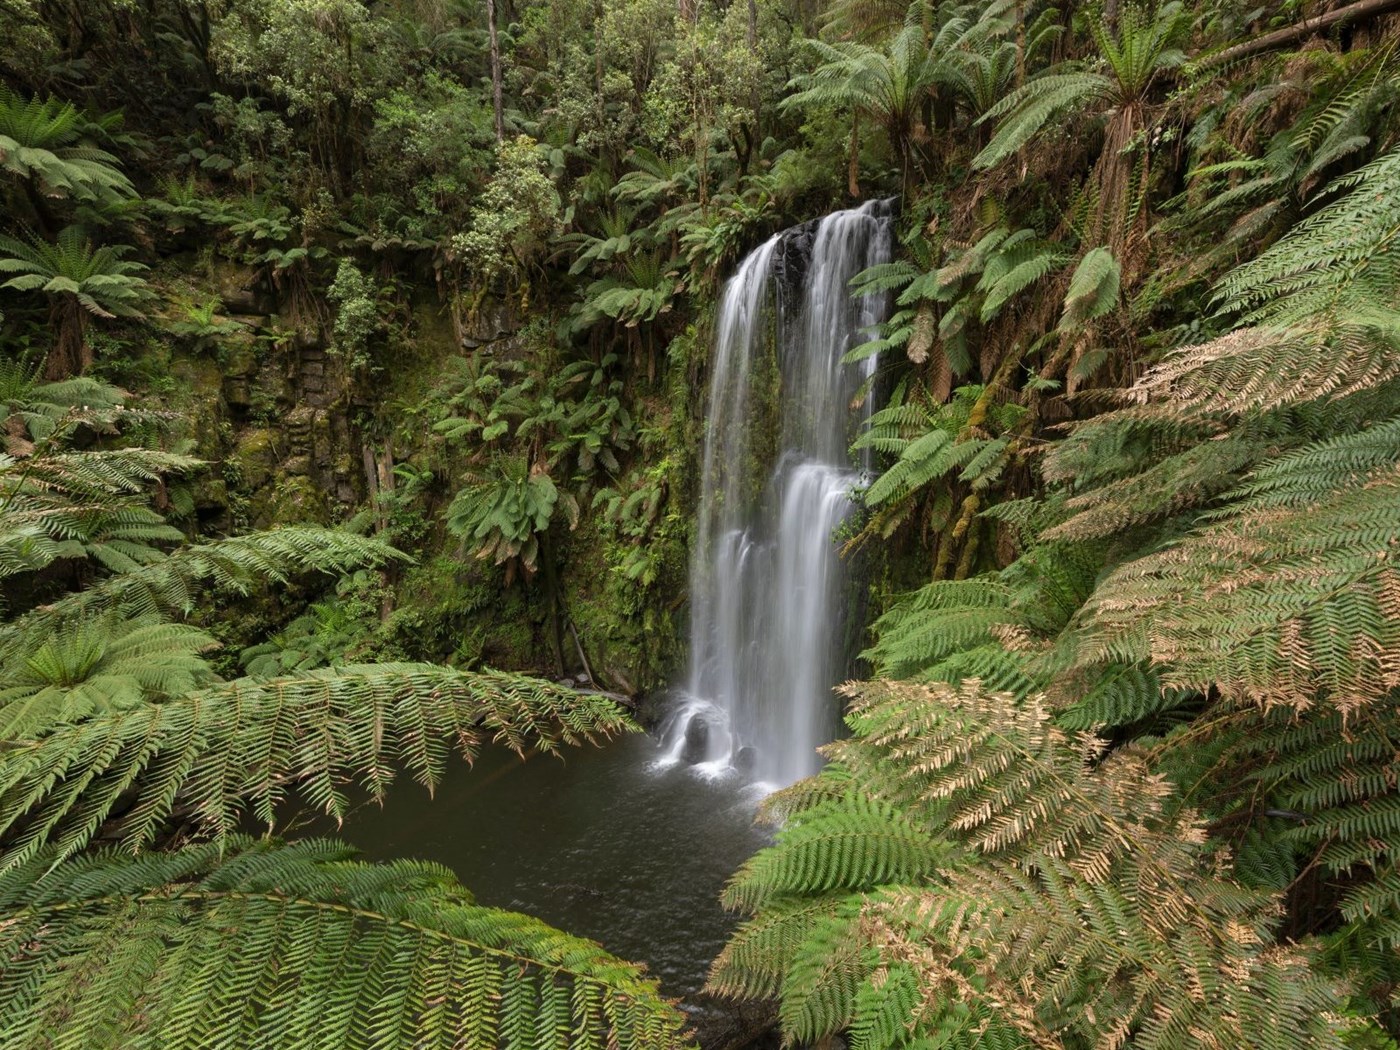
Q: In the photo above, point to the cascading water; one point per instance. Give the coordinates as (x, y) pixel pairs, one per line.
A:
(768, 588)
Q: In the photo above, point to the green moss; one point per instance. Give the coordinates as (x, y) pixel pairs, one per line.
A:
(455, 610)
(287, 498)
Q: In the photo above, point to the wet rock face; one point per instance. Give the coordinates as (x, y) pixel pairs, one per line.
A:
(697, 741)
(745, 760)
(726, 1024)
(794, 257)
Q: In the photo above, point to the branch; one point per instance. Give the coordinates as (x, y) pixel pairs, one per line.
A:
(1363, 9)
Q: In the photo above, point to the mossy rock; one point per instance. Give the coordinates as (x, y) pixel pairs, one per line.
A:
(451, 609)
(255, 456)
(288, 499)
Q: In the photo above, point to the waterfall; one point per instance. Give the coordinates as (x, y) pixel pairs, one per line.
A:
(769, 591)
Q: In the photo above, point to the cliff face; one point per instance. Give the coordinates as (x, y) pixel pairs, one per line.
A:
(293, 433)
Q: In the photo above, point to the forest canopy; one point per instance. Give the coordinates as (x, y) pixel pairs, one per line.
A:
(353, 358)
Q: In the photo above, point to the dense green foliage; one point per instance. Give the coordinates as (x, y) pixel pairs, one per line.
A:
(117, 726)
(1150, 750)
(444, 271)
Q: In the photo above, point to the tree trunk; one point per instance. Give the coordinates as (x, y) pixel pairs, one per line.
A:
(551, 586)
(70, 354)
(495, 71)
(756, 102)
(1020, 44)
(853, 161)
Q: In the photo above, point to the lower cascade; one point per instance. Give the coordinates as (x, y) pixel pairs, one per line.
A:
(770, 630)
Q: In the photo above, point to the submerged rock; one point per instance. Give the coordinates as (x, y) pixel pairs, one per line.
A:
(745, 761)
(697, 741)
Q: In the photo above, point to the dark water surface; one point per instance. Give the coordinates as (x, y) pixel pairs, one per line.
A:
(602, 843)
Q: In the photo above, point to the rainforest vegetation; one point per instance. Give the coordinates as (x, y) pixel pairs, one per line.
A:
(352, 379)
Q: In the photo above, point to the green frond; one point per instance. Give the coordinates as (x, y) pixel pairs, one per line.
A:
(1022, 114)
(1093, 290)
(1008, 274)
(1343, 254)
(831, 963)
(1312, 473)
(848, 843)
(757, 957)
(241, 748)
(1119, 695)
(936, 622)
(1179, 482)
(168, 587)
(258, 944)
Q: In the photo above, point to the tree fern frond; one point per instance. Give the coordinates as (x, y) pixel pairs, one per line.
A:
(1174, 484)
(195, 948)
(245, 746)
(1093, 290)
(1313, 473)
(1342, 254)
(1024, 112)
(1095, 906)
(818, 995)
(1260, 369)
(937, 621)
(756, 959)
(1293, 606)
(1119, 695)
(848, 843)
(167, 587)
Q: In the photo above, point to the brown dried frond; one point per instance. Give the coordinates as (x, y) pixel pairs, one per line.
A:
(1257, 369)
(1290, 605)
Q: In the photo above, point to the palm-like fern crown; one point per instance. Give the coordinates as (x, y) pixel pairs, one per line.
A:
(99, 278)
(1139, 48)
(52, 143)
(885, 82)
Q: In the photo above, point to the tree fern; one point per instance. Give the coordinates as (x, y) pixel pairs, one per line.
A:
(99, 666)
(1093, 908)
(54, 145)
(1041, 914)
(80, 280)
(255, 943)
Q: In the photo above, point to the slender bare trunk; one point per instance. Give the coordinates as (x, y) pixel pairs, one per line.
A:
(853, 161)
(1020, 44)
(495, 71)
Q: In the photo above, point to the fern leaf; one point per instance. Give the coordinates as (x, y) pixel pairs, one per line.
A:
(185, 949)
(246, 745)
